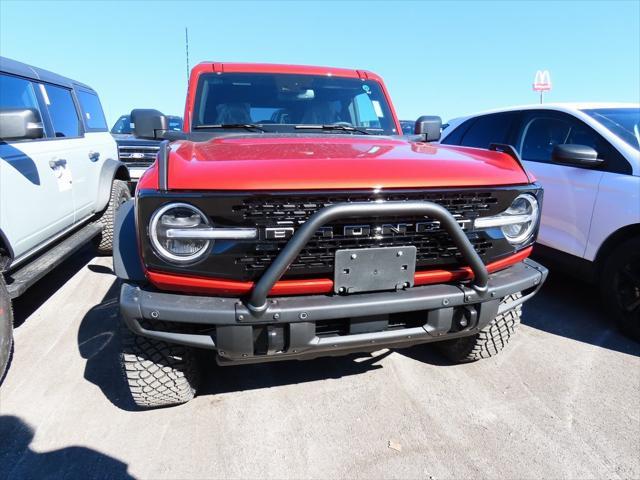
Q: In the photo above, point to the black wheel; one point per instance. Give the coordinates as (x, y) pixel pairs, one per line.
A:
(620, 286)
(158, 374)
(6, 329)
(490, 341)
(119, 194)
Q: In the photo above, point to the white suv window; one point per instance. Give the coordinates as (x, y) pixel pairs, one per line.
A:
(62, 111)
(17, 93)
(540, 136)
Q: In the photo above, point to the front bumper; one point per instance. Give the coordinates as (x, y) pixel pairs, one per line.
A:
(288, 327)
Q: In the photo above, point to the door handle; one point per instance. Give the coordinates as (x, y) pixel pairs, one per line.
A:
(61, 162)
(94, 156)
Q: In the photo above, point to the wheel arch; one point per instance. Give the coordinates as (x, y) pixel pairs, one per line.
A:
(6, 252)
(616, 238)
(111, 170)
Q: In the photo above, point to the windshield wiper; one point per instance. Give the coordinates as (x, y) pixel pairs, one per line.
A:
(246, 126)
(344, 128)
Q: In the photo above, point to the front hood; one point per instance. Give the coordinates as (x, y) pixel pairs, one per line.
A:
(331, 162)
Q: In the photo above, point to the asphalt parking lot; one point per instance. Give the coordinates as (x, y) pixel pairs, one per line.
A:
(561, 402)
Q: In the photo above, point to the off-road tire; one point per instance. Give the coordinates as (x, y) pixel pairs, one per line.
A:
(6, 329)
(487, 342)
(119, 194)
(158, 374)
(620, 286)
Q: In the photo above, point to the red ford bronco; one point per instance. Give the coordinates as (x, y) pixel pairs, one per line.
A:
(292, 220)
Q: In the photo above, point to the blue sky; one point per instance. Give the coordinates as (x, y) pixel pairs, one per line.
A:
(439, 58)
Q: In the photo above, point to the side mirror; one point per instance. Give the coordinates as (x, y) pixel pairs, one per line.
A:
(149, 123)
(578, 155)
(20, 124)
(429, 126)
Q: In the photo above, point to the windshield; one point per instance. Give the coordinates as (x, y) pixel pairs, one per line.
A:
(623, 122)
(286, 103)
(122, 125)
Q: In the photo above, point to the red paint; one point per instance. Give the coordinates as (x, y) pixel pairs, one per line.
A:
(192, 284)
(316, 162)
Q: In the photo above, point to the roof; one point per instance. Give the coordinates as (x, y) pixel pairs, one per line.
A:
(561, 106)
(14, 67)
(283, 68)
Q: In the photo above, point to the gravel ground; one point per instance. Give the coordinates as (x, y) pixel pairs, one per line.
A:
(563, 401)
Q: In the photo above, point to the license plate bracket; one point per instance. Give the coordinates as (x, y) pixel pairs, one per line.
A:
(374, 269)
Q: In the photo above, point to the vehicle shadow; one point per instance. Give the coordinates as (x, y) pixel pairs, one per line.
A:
(570, 308)
(34, 297)
(99, 342)
(18, 460)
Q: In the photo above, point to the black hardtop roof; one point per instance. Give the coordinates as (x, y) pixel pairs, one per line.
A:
(22, 69)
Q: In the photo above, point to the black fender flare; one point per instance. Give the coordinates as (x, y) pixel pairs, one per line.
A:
(111, 169)
(127, 263)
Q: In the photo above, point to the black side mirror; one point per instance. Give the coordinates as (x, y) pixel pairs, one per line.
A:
(429, 126)
(148, 123)
(578, 155)
(20, 124)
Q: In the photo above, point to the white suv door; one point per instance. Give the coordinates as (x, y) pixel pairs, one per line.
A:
(36, 192)
(569, 192)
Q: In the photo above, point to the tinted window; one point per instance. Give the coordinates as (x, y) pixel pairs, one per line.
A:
(539, 137)
(623, 122)
(92, 110)
(62, 111)
(488, 129)
(16, 93)
(544, 130)
(455, 137)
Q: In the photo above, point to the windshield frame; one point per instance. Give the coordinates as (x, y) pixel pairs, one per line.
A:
(391, 127)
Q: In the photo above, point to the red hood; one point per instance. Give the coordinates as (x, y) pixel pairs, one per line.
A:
(330, 163)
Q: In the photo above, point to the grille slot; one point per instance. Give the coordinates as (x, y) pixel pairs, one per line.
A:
(434, 247)
(142, 154)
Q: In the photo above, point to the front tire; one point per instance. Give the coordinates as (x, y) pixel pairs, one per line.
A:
(158, 374)
(620, 286)
(6, 329)
(119, 194)
(489, 341)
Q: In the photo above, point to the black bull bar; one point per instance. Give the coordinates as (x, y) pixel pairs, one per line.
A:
(257, 300)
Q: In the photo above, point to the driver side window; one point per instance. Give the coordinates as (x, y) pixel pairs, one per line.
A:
(540, 135)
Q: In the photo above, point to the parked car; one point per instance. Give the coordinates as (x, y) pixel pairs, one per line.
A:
(587, 158)
(291, 221)
(60, 180)
(136, 153)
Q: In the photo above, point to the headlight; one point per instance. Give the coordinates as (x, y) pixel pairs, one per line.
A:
(517, 222)
(178, 216)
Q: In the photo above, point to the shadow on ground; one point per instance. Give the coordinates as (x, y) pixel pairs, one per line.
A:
(18, 460)
(573, 309)
(47, 286)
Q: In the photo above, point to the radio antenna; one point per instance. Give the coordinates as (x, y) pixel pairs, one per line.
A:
(186, 48)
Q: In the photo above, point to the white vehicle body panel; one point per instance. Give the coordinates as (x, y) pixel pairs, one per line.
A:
(582, 207)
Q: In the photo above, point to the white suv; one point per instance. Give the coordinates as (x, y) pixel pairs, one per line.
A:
(587, 158)
(60, 179)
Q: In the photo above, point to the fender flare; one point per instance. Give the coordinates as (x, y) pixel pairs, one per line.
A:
(6, 252)
(111, 169)
(127, 263)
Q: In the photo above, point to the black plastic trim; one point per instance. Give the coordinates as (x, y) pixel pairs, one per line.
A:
(257, 301)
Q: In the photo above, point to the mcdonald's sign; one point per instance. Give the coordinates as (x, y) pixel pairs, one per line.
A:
(542, 81)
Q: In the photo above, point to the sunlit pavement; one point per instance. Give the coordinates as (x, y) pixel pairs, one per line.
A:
(563, 401)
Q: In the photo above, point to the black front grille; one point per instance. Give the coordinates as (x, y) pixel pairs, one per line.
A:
(434, 247)
(138, 154)
(247, 259)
